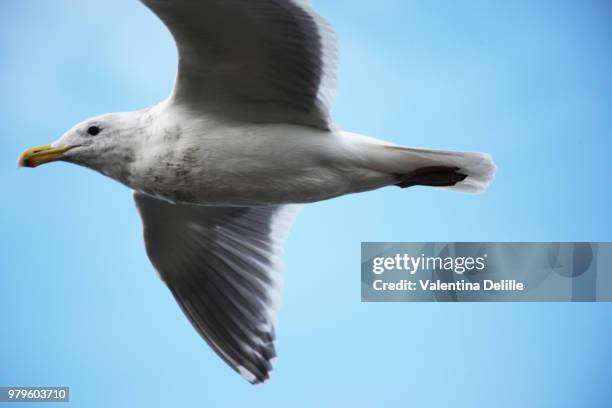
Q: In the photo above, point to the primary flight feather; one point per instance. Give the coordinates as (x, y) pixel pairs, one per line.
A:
(220, 168)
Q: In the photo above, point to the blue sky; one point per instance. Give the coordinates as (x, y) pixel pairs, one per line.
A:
(528, 82)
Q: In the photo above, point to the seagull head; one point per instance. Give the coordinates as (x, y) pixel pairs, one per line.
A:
(103, 143)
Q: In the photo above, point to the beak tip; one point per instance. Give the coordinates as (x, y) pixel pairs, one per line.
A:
(24, 161)
(38, 155)
(21, 162)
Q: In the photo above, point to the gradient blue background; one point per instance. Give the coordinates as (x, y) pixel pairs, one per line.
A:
(528, 81)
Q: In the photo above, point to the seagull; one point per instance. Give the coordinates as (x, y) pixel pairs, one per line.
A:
(222, 166)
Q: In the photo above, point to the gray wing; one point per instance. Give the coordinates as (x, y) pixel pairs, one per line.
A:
(223, 266)
(265, 61)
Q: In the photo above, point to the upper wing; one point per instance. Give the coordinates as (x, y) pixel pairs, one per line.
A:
(223, 266)
(265, 61)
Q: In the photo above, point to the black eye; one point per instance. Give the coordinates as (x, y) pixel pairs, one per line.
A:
(93, 130)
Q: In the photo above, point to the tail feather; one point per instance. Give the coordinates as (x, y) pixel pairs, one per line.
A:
(459, 171)
(388, 164)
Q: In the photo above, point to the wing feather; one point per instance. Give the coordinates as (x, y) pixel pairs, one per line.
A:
(266, 61)
(223, 267)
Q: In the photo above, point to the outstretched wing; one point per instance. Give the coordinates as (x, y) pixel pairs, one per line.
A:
(223, 266)
(265, 61)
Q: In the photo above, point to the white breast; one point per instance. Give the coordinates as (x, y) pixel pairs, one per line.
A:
(206, 161)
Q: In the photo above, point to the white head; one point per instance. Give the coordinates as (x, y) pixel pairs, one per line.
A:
(105, 143)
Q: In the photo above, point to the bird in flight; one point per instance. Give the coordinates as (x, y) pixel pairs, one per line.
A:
(221, 167)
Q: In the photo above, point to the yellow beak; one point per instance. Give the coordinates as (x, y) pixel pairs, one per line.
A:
(38, 155)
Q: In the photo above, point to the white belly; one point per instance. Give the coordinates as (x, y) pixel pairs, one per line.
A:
(246, 165)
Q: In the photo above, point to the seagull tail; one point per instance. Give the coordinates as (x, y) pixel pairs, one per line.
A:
(466, 172)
